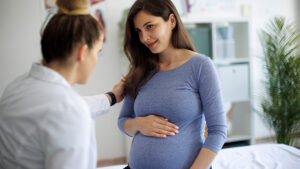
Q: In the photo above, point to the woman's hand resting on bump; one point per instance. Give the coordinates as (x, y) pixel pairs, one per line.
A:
(156, 126)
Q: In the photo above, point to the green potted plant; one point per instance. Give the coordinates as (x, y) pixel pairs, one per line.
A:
(281, 102)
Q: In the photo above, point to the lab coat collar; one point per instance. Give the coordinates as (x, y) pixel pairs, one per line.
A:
(46, 74)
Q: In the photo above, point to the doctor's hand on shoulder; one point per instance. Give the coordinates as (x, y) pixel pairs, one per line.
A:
(117, 93)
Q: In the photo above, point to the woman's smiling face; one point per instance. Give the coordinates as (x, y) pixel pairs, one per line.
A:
(153, 31)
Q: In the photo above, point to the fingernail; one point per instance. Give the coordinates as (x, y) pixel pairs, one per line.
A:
(176, 131)
(164, 136)
(172, 134)
(176, 127)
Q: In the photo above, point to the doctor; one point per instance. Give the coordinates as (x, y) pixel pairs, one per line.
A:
(44, 123)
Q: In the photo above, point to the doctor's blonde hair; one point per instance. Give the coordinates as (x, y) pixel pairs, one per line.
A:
(71, 26)
(73, 7)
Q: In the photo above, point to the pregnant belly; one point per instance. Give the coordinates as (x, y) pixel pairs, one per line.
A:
(173, 152)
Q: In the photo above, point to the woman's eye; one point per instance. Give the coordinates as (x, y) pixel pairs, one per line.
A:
(149, 26)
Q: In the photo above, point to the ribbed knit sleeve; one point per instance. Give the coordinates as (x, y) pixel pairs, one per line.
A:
(127, 112)
(211, 99)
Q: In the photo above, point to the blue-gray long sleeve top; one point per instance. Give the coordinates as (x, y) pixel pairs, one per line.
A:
(187, 96)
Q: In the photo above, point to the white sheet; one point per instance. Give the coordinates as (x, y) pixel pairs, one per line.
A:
(114, 167)
(262, 156)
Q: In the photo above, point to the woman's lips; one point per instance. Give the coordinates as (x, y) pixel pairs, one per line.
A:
(150, 45)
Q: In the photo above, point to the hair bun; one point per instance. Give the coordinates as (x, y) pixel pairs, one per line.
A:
(73, 7)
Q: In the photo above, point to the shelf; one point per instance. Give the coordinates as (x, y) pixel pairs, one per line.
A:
(199, 20)
(237, 138)
(232, 61)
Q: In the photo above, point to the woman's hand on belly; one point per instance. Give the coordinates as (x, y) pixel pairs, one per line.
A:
(156, 126)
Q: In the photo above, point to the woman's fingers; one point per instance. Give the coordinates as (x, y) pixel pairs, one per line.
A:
(167, 125)
(153, 134)
(165, 132)
(165, 128)
(162, 133)
(157, 126)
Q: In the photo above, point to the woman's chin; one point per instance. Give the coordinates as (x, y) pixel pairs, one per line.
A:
(154, 51)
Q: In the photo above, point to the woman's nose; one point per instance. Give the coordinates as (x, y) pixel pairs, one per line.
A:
(144, 36)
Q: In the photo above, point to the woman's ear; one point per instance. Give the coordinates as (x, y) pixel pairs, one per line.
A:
(81, 52)
(172, 19)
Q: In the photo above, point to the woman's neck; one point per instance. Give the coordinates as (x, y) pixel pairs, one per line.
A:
(168, 56)
(173, 58)
(66, 71)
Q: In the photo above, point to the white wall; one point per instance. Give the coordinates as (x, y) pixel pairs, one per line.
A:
(19, 38)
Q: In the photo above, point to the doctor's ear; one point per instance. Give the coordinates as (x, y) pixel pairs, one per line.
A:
(81, 52)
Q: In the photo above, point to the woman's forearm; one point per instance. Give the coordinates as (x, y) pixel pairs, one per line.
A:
(204, 159)
(131, 126)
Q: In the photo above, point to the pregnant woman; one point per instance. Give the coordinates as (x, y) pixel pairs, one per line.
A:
(171, 92)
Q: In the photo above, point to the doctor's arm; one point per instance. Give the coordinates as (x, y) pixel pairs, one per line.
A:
(100, 104)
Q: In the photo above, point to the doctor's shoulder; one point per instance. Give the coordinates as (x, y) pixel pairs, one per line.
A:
(66, 100)
(67, 122)
(67, 113)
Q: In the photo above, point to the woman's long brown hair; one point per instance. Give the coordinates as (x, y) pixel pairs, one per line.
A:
(143, 63)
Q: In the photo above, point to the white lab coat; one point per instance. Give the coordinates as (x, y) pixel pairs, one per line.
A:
(45, 124)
